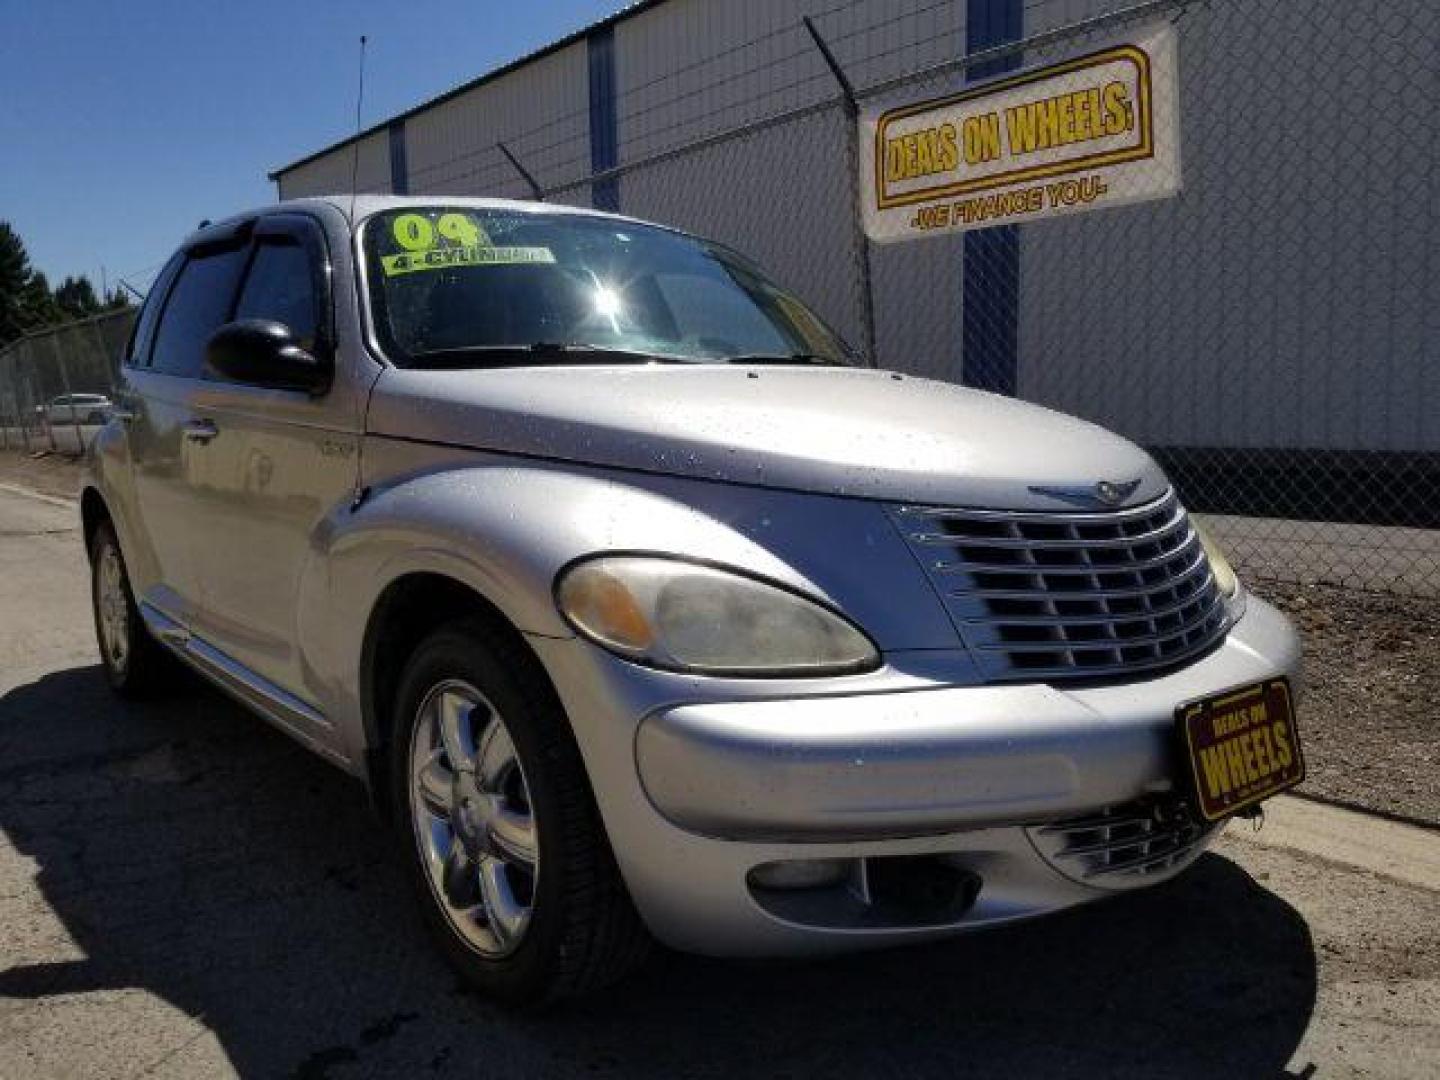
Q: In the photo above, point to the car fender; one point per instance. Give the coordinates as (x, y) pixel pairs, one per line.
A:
(105, 469)
(506, 526)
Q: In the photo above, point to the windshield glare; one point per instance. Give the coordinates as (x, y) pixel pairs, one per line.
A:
(501, 287)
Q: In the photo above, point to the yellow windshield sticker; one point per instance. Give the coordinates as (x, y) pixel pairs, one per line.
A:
(408, 262)
(463, 230)
(415, 232)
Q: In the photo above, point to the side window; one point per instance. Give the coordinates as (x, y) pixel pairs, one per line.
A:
(137, 350)
(199, 303)
(281, 287)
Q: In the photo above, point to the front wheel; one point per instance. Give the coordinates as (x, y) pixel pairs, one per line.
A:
(499, 825)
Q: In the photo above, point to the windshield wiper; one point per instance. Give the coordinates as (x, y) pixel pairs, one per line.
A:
(539, 352)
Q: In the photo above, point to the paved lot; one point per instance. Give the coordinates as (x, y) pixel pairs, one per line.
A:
(185, 893)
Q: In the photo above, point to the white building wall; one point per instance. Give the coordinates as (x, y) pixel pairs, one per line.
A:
(540, 111)
(691, 68)
(1289, 296)
(331, 174)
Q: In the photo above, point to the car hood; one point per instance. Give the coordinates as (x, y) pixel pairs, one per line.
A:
(836, 431)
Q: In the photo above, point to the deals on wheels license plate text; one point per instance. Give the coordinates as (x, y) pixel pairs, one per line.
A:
(1241, 746)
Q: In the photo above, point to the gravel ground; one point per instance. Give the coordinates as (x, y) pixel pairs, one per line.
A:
(51, 474)
(1372, 665)
(1372, 679)
(184, 892)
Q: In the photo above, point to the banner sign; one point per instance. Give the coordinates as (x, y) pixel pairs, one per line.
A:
(1097, 131)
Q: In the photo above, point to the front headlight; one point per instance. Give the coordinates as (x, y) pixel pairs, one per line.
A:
(1226, 580)
(683, 616)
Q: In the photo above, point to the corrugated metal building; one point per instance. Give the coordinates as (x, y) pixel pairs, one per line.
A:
(1287, 299)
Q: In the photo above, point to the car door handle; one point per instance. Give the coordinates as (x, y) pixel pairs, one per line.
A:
(201, 431)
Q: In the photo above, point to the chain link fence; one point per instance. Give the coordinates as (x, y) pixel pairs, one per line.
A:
(57, 385)
(1271, 334)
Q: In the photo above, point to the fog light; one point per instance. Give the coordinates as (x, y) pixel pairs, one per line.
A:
(800, 874)
(920, 888)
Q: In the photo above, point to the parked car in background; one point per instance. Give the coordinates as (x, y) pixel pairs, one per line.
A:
(644, 608)
(77, 409)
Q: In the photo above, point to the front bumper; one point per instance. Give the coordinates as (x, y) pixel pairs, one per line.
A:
(697, 793)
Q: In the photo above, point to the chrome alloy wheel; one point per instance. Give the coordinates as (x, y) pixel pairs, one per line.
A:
(112, 611)
(473, 818)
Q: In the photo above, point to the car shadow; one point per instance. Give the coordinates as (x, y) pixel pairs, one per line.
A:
(191, 852)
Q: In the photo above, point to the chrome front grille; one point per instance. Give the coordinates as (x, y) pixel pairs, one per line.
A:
(1070, 595)
(1123, 847)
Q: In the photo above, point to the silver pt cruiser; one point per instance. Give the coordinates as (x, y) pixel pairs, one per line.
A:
(646, 610)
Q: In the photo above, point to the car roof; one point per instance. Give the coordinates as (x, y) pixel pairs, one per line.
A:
(355, 210)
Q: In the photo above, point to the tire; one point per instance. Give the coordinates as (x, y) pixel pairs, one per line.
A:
(135, 664)
(507, 852)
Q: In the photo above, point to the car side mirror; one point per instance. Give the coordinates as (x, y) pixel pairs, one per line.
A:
(261, 352)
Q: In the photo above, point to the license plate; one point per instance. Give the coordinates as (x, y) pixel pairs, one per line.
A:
(1240, 746)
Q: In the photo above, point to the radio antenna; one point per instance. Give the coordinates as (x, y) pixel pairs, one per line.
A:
(355, 157)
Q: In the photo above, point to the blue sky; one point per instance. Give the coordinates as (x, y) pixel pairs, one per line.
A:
(123, 125)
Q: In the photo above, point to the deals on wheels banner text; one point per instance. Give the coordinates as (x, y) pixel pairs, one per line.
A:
(1088, 133)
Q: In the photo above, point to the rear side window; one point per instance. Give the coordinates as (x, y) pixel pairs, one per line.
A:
(281, 288)
(198, 305)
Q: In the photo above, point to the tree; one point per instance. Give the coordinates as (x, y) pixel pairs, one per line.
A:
(15, 275)
(26, 302)
(76, 298)
(39, 306)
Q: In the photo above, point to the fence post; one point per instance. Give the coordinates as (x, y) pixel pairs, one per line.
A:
(36, 371)
(852, 153)
(65, 382)
(5, 395)
(20, 415)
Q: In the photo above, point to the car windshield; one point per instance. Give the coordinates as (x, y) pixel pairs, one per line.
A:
(471, 287)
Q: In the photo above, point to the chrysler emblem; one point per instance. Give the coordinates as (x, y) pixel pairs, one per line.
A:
(1113, 494)
(1104, 493)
